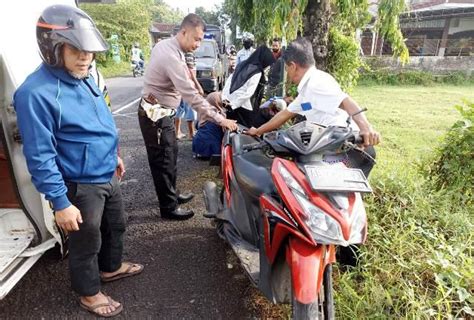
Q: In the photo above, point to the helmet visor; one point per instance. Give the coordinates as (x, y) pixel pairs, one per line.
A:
(84, 39)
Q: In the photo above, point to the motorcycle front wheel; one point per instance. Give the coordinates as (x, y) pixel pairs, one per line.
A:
(323, 307)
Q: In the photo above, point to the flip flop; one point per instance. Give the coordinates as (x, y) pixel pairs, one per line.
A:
(92, 309)
(124, 274)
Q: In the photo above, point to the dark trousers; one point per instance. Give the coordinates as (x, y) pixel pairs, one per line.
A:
(98, 245)
(242, 116)
(162, 151)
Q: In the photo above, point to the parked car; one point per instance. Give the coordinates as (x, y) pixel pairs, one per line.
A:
(210, 66)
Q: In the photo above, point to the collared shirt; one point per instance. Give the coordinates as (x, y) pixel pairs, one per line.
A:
(167, 79)
(240, 98)
(243, 54)
(319, 98)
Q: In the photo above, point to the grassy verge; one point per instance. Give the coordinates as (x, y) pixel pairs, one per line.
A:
(418, 261)
(413, 77)
(111, 70)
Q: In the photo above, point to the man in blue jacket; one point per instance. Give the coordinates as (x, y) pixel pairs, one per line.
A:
(70, 144)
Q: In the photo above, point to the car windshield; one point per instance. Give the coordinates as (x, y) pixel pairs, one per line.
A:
(205, 50)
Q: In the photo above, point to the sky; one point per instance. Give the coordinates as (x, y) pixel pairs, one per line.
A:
(189, 5)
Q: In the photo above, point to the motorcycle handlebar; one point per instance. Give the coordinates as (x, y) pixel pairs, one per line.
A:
(358, 139)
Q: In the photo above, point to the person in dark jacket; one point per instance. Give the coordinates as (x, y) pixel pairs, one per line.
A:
(275, 75)
(70, 144)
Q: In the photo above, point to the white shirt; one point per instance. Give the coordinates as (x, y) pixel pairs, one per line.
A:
(136, 52)
(243, 54)
(319, 97)
(240, 98)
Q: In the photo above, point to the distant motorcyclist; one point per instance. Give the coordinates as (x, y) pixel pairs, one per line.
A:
(137, 55)
(247, 50)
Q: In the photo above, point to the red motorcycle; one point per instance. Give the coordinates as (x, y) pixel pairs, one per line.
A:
(287, 200)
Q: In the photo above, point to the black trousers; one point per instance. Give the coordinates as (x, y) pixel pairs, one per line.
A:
(162, 151)
(242, 116)
(98, 245)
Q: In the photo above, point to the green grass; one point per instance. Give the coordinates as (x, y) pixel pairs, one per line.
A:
(115, 69)
(418, 261)
(410, 119)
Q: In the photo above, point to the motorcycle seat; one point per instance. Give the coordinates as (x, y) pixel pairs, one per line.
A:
(252, 169)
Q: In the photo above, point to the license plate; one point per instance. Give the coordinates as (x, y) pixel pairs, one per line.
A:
(329, 178)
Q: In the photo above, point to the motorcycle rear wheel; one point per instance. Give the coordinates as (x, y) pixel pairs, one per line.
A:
(322, 308)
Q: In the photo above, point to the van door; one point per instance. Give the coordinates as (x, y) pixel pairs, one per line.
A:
(27, 227)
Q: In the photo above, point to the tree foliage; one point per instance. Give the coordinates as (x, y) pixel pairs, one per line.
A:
(267, 18)
(329, 24)
(162, 12)
(128, 19)
(210, 17)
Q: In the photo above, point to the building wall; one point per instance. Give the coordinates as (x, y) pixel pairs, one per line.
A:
(461, 25)
(437, 65)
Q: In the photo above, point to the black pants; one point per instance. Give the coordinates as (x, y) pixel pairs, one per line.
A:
(162, 151)
(98, 245)
(242, 116)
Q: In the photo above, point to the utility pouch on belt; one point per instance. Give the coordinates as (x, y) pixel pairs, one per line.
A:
(155, 111)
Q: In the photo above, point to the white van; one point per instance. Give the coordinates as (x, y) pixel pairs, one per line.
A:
(27, 227)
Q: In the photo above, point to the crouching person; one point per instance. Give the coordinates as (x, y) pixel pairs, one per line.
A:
(70, 145)
(208, 138)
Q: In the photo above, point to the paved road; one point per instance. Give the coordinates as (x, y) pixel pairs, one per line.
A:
(189, 273)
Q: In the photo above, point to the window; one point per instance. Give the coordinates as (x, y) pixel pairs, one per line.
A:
(206, 50)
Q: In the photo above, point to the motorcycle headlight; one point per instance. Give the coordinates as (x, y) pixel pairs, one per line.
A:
(290, 180)
(324, 228)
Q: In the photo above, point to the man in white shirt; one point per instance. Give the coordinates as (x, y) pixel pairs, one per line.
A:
(320, 97)
(321, 100)
(247, 50)
(137, 55)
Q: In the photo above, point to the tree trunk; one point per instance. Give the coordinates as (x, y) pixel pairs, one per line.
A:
(316, 20)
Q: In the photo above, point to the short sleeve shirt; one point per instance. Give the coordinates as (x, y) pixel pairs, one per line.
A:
(319, 98)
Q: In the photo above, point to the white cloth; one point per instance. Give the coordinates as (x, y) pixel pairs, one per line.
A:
(243, 54)
(136, 53)
(240, 98)
(155, 112)
(319, 98)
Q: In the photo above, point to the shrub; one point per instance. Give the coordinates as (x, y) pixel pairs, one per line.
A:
(452, 169)
(412, 77)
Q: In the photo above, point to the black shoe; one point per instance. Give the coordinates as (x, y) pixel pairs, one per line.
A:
(178, 214)
(185, 197)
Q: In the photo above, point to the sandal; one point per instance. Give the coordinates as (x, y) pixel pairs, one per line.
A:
(92, 309)
(124, 274)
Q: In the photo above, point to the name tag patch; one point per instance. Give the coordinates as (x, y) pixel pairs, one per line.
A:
(306, 106)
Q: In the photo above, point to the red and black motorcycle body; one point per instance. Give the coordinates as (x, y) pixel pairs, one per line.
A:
(265, 210)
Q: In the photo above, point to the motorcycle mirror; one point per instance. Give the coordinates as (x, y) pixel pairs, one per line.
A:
(349, 118)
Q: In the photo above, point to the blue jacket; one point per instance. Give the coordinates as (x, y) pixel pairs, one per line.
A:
(68, 132)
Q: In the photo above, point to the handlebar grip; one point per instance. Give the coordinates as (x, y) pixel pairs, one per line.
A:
(358, 139)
